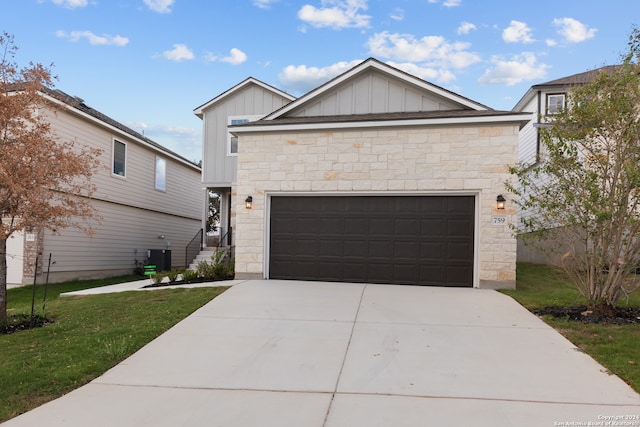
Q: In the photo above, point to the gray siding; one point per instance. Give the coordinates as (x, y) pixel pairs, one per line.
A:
(123, 236)
(374, 92)
(219, 169)
(133, 213)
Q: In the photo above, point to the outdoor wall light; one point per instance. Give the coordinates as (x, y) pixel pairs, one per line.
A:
(500, 202)
(248, 202)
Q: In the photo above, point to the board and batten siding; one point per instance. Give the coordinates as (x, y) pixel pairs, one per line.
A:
(371, 93)
(218, 167)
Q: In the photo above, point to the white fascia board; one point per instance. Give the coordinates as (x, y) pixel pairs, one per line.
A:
(114, 129)
(515, 118)
(386, 69)
(199, 111)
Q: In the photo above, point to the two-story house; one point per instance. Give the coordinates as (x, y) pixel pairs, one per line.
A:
(541, 101)
(375, 176)
(148, 198)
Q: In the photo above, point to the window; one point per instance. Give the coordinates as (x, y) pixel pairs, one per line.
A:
(232, 141)
(555, 103)
(119, 158)
(161, 174)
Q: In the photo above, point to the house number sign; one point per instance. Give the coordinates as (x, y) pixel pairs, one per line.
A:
(498, 220)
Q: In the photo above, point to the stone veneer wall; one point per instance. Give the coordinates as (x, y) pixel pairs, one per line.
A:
(471, 159)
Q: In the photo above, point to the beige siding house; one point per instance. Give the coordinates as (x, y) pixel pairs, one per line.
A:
(377, 176)
(147, 196)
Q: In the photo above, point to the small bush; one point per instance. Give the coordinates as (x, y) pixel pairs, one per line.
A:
(219, 268)
(158, 277)
(189, 275)
(173, 274)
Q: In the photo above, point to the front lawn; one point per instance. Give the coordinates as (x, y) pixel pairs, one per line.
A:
(616, 347)
(90, 334)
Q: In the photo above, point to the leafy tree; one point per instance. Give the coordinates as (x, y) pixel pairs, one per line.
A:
(583, 197)
(44, 182)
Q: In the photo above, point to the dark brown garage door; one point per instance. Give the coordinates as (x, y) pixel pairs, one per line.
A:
(416, 240)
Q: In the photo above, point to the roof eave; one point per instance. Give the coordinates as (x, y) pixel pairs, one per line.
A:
(163, 150)
(519, 118)
(199, 111)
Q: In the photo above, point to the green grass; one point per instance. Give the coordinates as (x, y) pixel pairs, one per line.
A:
(616, 347)
(90, 334)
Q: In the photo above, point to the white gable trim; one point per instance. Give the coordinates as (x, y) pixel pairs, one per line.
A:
(520, 118)
(375, 64)
(199, 111)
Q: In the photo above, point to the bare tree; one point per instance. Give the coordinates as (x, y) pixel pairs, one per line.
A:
(44, 182)
(583, 196)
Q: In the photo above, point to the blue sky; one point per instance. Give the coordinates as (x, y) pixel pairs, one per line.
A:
(149, 63)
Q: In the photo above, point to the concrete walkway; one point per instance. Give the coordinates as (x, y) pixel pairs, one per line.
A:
(302, 354)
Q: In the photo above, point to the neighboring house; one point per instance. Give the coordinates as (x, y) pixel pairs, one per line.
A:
(376, 176)
(541, 101)
(147, 197)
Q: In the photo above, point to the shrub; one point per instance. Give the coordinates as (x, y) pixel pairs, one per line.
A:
(173, 274)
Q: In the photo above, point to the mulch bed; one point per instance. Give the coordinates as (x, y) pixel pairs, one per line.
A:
(619, 316)
(23, 323)
(185, 282)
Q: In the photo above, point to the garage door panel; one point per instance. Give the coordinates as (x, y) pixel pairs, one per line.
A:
(459, 251)
(356, 248)
(306, 225)
(422, 240)
(432, 227)
(330, 248)
(380, 249)
(459, 227)
(306, 247)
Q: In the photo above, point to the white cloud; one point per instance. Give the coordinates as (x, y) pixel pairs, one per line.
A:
(301, 79)
(425, 73)
(93, 39)
(336, 14)
(574, 31)
(397, 14)
(160, 6)
(517, 32)
(184, 141)
(550, 42)
(520, 68)
(447, 3)
(264, 4)
(236, 57)
(433, 51)
(466, 27)
(180, 52)
(71, 4)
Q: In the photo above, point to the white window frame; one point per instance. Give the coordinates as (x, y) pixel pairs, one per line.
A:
(161, 180)
(230, 120)
(557, 110)
(113, 158)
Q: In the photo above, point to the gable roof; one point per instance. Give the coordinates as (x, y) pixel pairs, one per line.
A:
(378, 66)
(80, 107)
(199, 111)
(564, 83)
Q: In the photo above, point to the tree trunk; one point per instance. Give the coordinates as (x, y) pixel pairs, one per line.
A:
(3, 280)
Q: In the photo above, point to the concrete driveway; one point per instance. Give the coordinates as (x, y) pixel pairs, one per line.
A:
(288, 353)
